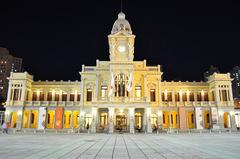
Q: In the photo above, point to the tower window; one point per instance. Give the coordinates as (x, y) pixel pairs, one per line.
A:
(153, 95)
(89, 95)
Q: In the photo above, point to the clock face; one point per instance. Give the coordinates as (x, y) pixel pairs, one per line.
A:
(121, 48)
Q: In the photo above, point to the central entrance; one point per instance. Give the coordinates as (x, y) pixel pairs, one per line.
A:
(121, 122)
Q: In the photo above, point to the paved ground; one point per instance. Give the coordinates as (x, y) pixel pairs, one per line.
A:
(119, 146)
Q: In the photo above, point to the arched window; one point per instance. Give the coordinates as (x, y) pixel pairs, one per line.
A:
(48, 118)
(120, 85)
(32, 118)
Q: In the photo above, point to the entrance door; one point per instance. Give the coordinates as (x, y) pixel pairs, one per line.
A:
(103, 120)
(138, 120)
(121, 122)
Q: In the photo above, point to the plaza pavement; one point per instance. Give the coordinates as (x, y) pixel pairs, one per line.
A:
(120, 146)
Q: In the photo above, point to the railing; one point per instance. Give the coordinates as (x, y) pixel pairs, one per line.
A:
(121, 99)
(50, 103)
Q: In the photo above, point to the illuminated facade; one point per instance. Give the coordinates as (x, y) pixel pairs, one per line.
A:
(120, 94)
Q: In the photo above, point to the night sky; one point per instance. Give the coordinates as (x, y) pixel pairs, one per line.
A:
(55, 38)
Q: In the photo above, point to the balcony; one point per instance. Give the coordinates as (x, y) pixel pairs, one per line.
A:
(121, 100)
(46, 103)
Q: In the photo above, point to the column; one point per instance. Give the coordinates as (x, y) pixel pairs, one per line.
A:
(82, 92)
(188, 94)
(195, 96)
(97, 86)
(110, 119)
(68, 96)
(230, 92)
(29, 118)
(131, 115)
(160, 119)
(45, 95)
(19, 119)
(71, 120)
(149, 126)
(173, 96)
(9, 91)
(75, 96)
(94, 120)
(216, 94)
(145, 85)
(180, 96)
(169, 120)
(159, 95)
(19, 94)
(60, 95)
(81, 119)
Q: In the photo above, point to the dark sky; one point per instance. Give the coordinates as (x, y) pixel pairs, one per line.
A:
(55, 38)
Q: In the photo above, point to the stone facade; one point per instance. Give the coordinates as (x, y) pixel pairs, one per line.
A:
(120, 95)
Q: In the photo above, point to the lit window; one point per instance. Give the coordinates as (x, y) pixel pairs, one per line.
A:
(89, 95)
(138, 91)
(152, 95)
(104, 91)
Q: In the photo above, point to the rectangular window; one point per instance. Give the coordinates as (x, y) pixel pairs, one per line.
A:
(184, 96)
(191, 96)
(41, 98)
(72, 95)
(27, 96)
(169, 96)
(199, 96)
(177, 99)
(205, 96)
(138, 90)
(163, 97)
(153, 95)
(104, 91)
(64, 97)
(49, 96)
(34, 96)
(78, 97)
(15, 95)
(56, 97)
(224, 95)
(89, 95)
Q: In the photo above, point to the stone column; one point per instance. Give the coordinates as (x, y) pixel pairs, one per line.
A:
(82, 92)
(60, 95)
(97, 86)
(169, 119)
(173, 96)
(216, 94)
(131, 115)
(94, 120)
(45, 95)
(149, 126)
(81, 119)
(19, 119)
(160, 119)
(71, 120)
(180, 96)
(19, 94)
(188, 94)
(145, 85)
(9, 91)
(110, 119)
(230, 92)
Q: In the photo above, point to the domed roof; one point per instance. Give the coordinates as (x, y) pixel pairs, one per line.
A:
(121, 24)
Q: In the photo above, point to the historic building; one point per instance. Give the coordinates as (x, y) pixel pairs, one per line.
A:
(120, 94)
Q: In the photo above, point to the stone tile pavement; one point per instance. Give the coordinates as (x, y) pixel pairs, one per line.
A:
(119, 146)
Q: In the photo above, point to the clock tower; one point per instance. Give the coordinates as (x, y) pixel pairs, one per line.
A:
(121, 41)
